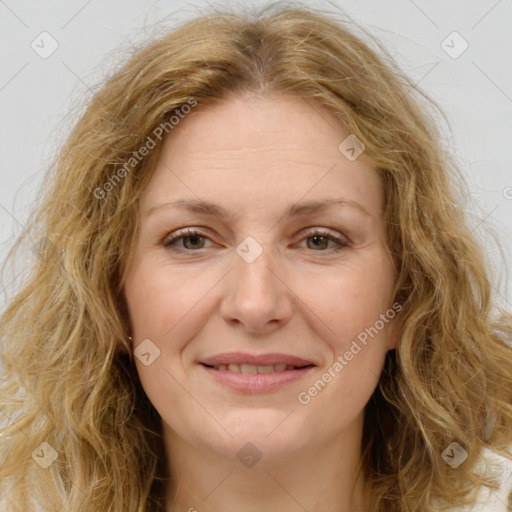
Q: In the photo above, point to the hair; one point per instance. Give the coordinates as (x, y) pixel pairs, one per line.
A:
(69, 376)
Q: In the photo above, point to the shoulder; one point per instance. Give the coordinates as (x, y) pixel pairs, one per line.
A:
(499, 467)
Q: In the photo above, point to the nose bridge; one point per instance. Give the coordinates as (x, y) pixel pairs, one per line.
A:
(252, 266)
(256, 295)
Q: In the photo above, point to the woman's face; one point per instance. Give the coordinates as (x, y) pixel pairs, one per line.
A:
(264, 283)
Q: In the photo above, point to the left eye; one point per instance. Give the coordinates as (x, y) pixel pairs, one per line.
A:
(319, 237)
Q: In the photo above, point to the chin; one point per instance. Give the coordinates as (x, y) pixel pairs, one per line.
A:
(273, 432)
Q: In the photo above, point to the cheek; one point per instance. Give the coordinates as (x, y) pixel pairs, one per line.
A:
(164, 307)
(351, 299)
(357, 308)
(158, 299)
(339, 397)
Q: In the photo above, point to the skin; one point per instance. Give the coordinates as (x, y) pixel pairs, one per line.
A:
(255, 157)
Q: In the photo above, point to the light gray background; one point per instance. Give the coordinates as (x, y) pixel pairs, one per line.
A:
(475, 89)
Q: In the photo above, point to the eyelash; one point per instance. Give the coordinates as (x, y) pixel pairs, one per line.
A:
(170, 241)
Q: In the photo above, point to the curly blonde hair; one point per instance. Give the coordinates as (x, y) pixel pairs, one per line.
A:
(69, 376)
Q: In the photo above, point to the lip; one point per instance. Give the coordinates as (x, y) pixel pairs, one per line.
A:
(256, 382)
(257, 360)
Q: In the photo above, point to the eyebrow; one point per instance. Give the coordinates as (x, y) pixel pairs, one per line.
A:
(295, 210)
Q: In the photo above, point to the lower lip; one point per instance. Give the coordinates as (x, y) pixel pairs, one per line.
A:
(257, 382)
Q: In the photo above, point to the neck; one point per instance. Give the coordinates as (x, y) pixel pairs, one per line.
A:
(318, 478)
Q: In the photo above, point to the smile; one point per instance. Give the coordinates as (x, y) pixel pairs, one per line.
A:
(252, 369)
(251, 379)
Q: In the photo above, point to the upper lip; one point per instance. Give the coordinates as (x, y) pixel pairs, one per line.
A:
(257, 360)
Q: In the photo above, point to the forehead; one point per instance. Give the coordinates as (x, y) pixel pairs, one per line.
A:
(276, 122)
(253, 151)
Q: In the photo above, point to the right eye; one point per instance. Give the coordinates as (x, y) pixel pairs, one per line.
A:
(188, 234)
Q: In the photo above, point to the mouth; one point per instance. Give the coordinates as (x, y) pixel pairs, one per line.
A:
(249, 374)
(249, 369)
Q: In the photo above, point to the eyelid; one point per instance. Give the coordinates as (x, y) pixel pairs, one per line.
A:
(328, 232)
(181, 233)
(342, 241)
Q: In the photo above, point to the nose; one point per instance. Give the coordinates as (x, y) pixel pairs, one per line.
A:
(258, 295)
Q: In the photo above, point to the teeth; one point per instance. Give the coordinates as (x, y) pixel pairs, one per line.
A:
(248, 368)
(251, 368)
(265, 369)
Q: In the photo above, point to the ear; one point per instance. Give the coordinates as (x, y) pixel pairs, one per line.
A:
(121, 347)
(395, 328)
(125, 322)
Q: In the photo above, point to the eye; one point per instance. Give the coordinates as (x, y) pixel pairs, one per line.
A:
(321, 237)
(188, 234)
(191, 239)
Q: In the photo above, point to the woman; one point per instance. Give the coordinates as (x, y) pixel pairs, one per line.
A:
(263, 369)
